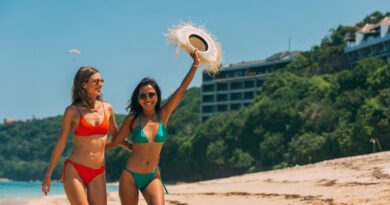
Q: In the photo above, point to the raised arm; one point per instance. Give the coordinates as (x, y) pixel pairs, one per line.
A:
(176, 97)
(120, 136)
(113, 130)
(58, 148)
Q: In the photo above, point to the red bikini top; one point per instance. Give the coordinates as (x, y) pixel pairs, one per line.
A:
(85, 129)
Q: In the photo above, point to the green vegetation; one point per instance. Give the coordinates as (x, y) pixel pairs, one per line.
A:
(318, 108)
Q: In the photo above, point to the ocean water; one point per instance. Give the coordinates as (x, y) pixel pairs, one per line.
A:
(29, 189)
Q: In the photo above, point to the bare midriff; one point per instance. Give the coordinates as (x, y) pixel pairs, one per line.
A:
(144, 158)
(89, 150)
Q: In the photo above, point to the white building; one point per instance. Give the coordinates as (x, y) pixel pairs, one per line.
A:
(370, 40)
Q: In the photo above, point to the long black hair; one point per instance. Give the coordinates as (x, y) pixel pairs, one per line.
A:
(134, 107)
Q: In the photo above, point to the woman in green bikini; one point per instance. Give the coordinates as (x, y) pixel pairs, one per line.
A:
(147, 123)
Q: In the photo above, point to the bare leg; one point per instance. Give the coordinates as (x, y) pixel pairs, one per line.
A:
(154, 192)
(97, 194)
(74, 186)
(128, 192)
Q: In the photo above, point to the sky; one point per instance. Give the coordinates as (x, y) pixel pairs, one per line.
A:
(125, 40)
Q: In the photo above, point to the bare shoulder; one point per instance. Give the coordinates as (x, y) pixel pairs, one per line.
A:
(129, 121)
(70, 113)
(71, 110)
(129, 118)
(107, 105)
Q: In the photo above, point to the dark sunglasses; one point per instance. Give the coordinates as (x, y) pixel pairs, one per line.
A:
(143, 96)
(97, 81)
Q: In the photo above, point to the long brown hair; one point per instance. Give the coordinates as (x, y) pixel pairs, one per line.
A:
(79, 94)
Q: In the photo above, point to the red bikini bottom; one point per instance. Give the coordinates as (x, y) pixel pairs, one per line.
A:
(86, 174)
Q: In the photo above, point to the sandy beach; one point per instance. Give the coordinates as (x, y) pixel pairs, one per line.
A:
(346, 181)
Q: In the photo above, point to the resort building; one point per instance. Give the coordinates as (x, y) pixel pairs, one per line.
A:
(237, 85)
(370, 40)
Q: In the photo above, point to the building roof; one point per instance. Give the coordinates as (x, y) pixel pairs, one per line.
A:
(366, 28)
(9, 120)
(385, 21)
(275, 58)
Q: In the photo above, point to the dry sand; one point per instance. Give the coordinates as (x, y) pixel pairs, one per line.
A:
(353, 180)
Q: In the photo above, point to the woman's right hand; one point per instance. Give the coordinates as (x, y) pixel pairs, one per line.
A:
(46, 185)
(195, 57)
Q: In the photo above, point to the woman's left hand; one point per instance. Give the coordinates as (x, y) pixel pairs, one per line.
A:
(127, 145)
(195, 56)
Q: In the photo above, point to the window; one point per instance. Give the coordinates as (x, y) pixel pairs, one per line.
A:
(208, 108)
(235, 96)
(222, 97)
(236, 85)
(208, 98)
(379, 48)
(365, 52)
(208, 88)
(248, 95)
(222, 86)
(387, 45)
(222, 108)
(249, 84)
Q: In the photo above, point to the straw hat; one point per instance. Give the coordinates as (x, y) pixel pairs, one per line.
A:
(189, 38)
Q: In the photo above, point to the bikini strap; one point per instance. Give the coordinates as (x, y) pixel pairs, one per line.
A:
(79, 111)
(131, 124)
(104, 113)
(162, 182)
(132, 121)
(158, 117)
(104, 109)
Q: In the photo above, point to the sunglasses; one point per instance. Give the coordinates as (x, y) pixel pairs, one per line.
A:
(97, 81)
(143, 96)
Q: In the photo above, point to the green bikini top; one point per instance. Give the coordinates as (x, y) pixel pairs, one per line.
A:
(139, 136)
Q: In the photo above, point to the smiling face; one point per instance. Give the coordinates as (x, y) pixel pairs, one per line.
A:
(93, 86)
(147, 97)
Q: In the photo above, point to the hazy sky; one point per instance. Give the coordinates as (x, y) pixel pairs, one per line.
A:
(125, 40)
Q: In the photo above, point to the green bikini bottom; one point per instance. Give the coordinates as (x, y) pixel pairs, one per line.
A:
(143, 180)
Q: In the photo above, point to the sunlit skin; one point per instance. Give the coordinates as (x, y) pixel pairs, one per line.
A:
(145, 156)
(148, 103)
(87, 151)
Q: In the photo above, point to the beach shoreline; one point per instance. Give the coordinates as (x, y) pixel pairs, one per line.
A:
(351, 180)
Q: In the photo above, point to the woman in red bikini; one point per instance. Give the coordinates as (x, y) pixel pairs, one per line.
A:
(91, 120)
